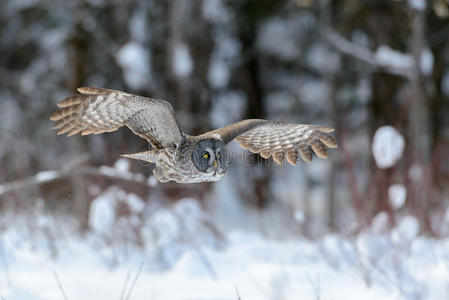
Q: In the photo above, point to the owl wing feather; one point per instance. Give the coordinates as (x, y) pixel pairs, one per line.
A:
(280, 139)
(97, 110)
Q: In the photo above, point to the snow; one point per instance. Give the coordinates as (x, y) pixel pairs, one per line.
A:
(215, 11)
(314, 93)
(121, 170)
(102, 212)
(43, 176)
(417, 4)
(387, 57)
(300, 216)
(416, 172)
(323, 60)
(122, 165)
(227, 108)
(219, 73)
(278, 37)
(251, 265)
(426, 62)
(134, 59)
(388, 145)
(135, 204)
(152, 181)
(397, 194)
(407, 229)
(182, 61)
(224, 57)
(138, 26)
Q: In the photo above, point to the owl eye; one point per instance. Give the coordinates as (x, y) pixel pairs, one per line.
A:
(206, 155)
(218, 155)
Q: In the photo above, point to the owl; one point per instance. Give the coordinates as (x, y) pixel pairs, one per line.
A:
(178, 156)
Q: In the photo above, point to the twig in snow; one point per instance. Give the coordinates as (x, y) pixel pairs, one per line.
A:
(59, 285)
(122, 295)
(206, 262)
(135, 281)
(315, 285)
(237, 292)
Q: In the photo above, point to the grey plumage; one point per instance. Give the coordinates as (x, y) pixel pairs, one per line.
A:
(180, 157)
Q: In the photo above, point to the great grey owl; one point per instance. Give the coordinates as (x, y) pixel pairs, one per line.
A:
(178, 156)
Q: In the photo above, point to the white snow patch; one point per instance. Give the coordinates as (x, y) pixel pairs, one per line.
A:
(314, 93)
(369, 266)
(323, 59)
(223, 59)
(379, 224)
(134, 59)
(182, 61)
(387, 147)
(387, 57)
(114, 172)
(138, 26)
(219, 73)
(397, 194)
(416, 172)
(406, 230)
(280, 103)
(227, 108)
(300, 217)
(417, 4)
(278, 37)
(43, 176)
(135, 203)
(152, 180)
(426, 61)
(122, 165)
(102, 212)
(215, 11)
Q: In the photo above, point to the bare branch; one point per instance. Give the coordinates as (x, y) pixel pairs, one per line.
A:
(364, 54)
(53, 175)
(347, 47)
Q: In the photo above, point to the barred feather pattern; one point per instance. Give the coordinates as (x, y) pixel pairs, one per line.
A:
(97, 110)
(291, 141)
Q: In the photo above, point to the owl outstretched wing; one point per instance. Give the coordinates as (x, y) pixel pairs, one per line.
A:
(97, 110)
(279, 139)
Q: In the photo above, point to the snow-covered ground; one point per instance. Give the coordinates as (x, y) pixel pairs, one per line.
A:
(377, 264)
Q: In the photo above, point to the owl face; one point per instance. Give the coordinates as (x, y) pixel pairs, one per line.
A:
(209, 156)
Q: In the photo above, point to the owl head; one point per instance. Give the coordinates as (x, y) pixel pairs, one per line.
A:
(209, 156)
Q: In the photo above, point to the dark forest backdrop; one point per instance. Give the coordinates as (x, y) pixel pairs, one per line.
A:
(354, 65)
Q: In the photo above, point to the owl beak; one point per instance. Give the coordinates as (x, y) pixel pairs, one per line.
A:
(215, 163)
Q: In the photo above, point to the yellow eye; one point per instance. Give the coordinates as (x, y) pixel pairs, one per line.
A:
(205, 155)
(218, 155)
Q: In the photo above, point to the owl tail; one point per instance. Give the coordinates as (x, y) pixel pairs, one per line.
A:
(150, 156)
